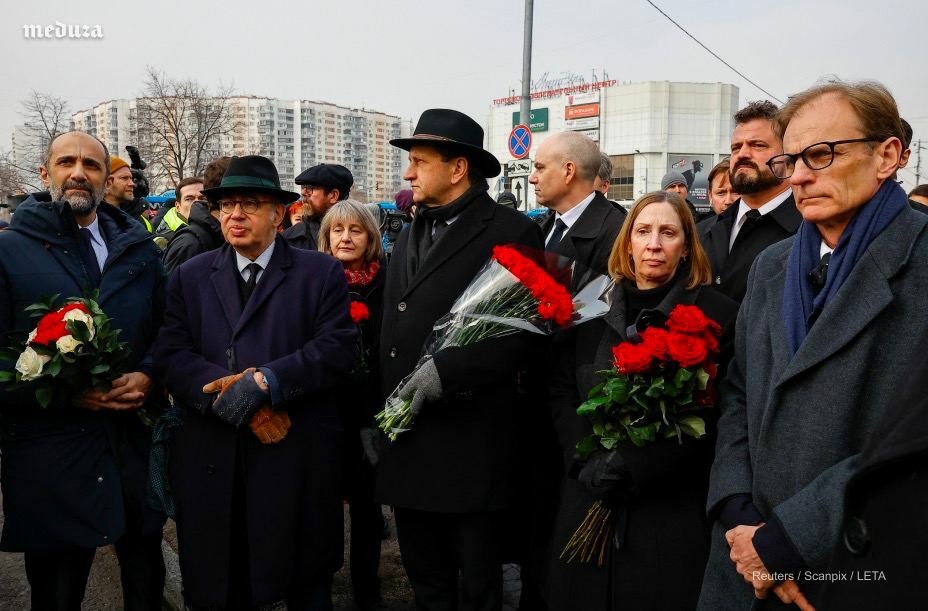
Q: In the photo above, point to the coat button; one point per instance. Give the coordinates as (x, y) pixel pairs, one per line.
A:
(211, 469)
(100, 480)
(401, 306)
(393, 352)
(856, 536)
(718, 280)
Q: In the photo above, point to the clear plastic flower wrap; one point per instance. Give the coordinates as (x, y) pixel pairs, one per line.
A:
(518, 290)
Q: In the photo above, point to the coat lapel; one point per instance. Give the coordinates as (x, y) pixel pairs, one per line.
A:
(225, 279)
(865, 294)
(718, 236)
(462, 231)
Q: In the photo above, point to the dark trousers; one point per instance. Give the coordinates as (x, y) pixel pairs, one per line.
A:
(58, 579)
(366, 527)
(437, 547)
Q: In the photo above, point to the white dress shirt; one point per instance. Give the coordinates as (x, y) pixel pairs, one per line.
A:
(263, 259)
(570, 217)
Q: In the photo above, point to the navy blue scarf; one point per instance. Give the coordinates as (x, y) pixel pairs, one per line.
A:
(801, 303)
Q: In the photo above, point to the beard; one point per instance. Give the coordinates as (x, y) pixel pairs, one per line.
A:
(81, 203)
(746, 184)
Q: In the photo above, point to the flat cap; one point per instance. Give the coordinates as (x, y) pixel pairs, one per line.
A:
(329, 176)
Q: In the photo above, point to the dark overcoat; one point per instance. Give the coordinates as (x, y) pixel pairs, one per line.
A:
(70, 475)
(662, 525)
(730, 269)
(292, 506)
(305, 234)
(792, 428)
(458, 456)
(882, 547)
(590, 239)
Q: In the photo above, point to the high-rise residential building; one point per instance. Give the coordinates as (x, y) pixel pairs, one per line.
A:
(294, 134)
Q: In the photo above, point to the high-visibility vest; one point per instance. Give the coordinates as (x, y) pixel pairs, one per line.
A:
(174, 220)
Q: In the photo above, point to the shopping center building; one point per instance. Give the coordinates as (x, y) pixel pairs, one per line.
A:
(646, 128)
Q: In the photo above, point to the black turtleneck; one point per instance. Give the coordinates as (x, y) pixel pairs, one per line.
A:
(637, 299)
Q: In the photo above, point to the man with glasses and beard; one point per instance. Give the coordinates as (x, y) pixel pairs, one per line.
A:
(766, 212)
(75, 474)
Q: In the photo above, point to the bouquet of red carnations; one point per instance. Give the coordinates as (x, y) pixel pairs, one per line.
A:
(517, 290)
(657, 389)
(73, 348)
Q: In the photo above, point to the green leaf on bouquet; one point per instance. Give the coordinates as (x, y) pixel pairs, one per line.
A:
(8, 354)
(656, 389)
(694, 426)
(6, 376)
(595, 391)
(703, 378)
(100, 368)
(45, 350)
(43, 394)
(37, 307)
(79, 330)
(639, 435)
(587, 445)
(587, 408)
(683, 375)
(53, 367)
(598, 429)
(608, 442)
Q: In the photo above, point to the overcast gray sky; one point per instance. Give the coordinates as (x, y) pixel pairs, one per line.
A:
(405, 56)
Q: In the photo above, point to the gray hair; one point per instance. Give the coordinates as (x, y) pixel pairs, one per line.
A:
(579, 149)
(605, 168)
(346, 212)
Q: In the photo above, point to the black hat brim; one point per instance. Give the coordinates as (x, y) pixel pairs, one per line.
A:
(486, 161)
(286, 197)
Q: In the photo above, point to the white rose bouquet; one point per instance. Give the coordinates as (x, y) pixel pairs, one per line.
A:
(72, 349)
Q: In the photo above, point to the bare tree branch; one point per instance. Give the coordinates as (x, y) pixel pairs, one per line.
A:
(44, 117)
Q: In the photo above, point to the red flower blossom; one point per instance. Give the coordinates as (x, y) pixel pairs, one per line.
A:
(52, 326)
(690, 319)
(632, 358)
(688, 350)
(359, 312)
(554, 301)
(655, 339)
(709, 367)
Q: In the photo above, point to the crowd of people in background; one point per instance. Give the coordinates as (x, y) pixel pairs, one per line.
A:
(267, 327)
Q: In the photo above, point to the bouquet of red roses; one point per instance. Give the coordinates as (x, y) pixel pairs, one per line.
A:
(517, 290)
(657, 390)
(72, 348)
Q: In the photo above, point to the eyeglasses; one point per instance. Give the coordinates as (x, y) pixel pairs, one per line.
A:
(816, 156)
(248, 205)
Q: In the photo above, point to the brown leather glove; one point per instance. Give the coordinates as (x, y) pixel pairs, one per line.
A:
(224, 383)
(269, 426)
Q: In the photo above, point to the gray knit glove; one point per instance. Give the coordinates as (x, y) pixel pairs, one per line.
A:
(424, 385)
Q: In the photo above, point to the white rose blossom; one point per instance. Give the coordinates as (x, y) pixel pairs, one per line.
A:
(85, 318)
(67, 344)
(31, 363)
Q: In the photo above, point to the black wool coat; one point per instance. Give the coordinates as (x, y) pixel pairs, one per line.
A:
(590, 239)
(457, 458)
(730, 269)
(305, 234)
(666, 534)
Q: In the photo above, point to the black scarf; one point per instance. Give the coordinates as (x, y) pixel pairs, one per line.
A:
(420, 232)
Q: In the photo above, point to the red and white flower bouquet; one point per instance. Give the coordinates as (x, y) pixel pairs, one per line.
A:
(72, 349)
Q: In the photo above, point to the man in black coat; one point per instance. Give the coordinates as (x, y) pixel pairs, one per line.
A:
(582, 225)
(322, 186)
(75, 474)
(202, 232)
(450, 476)
(766, 212)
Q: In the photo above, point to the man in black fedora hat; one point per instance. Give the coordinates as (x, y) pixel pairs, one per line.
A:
(254, 468)
(322, 186)
(449, 478)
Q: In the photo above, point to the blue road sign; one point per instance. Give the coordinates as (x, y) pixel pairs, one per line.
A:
(520, 141)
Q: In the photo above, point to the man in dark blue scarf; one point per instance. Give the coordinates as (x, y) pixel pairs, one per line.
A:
(825, 328)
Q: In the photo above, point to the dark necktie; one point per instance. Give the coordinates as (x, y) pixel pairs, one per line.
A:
(438, 229)
(249, 288)
(559, 228)
(750, 223)
(88, 256)
(819, 275)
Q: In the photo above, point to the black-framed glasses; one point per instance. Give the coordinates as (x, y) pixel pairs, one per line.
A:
(816, 156)
(249, 205)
